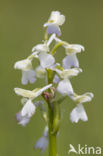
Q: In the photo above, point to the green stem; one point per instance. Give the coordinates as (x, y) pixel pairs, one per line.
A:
(53, 110)
(58, 45)
(52, 136)
(51, 119)
(45, 34)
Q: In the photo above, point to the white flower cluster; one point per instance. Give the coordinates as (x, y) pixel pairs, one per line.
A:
(29, 107)
(62, 73)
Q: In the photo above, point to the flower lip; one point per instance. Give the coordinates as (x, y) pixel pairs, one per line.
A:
(65, 87)
(28, 109)
(42, 143)
(46, 60)
(78, 113)
(70, 61)
(23, 120)
(28, 76)
(53, 29)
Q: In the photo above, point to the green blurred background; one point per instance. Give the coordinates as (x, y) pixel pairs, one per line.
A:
(20, 29)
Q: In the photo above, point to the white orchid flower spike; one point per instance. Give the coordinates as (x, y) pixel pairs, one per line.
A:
(54, 71)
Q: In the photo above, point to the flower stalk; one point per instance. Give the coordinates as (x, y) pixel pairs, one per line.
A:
(61, 43)
(52, 136)
(51, 118)
(52, 132)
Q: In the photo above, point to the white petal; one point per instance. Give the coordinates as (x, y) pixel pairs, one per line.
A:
(22, 120)
(45, 134)
(58, 39)
(52, 37)
(46, 60)
(31, 94)
(25, 93)
(78, 113)
(57, 18)
(53, 29)
(40, 91)
(42, 143)
(70, 61)
(68, 73)
(41, 48)
(74, 48)
(40, 72)
(65, 87)
(23, 65)
(35, 54)
(56, 79)
(28, 109)
(87, 97)
(28, 76)
(24, 100)
(24, 80)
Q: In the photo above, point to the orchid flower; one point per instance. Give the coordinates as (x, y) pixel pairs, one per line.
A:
(42, 64)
